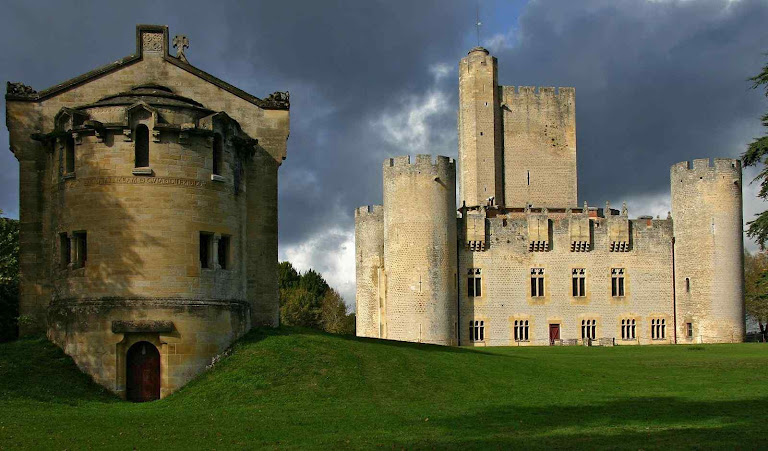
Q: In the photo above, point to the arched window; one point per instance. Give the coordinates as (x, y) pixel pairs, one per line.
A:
(218, 154)
(69, 155)
(141, 139)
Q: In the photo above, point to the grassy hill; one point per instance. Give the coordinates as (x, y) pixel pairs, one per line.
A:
(296, 388)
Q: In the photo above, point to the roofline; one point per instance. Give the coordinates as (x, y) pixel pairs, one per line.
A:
(32, 96)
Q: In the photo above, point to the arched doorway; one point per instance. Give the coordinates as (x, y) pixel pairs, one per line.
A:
(143, 372)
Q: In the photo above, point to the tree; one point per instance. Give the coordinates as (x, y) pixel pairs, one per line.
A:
(334, 314)
(300, 308)
(756, 288)
(9, 278)
(287, 275)
(757, 153)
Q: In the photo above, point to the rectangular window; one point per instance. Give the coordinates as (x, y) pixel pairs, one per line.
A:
(689, 330)
(205, 249)
(65, 247)
(628, 329)
(537, 282)
(658, 329)
(521, 330)
(578, 282)
(617, 282)
(588, 329)
(474, 283)
(223, 252)
(477, 330)
(81, 248)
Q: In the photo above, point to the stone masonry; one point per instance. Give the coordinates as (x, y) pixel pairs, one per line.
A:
(148, 193)
(532, 267)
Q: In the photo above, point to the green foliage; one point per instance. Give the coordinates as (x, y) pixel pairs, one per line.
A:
(9, 278)
(306, 300)
(756, 154)
(292, 388)
(756, 288)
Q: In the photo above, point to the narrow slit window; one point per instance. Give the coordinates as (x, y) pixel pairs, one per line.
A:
(66, 249)
(687, 285)
(689, 330)
(218, 154)
(69, 155)
(141, 141)
(205, 249)
(81, 248)
(223, 252)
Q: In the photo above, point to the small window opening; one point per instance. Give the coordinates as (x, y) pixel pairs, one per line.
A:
(537, 282)
(141, 157)
(521, 330)
(477, 330)
(65, 247)
(223, 252)
(588, 329)
(687, 285)
(628, 329)
(529, 178)
(69, 157)
(81, 248)
(474, 283)
(578, 279)
(658, 329)
(205, 249)
(218, 153)
(617, 282)
(689, 330)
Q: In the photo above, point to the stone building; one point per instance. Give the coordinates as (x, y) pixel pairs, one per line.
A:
(148, 210)
(521, 262)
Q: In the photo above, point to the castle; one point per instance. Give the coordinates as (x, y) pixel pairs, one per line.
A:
(522, 263)
(148, 215)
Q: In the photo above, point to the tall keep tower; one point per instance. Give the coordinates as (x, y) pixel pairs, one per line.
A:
(420, 250)
(480, 132)
(369, 269)
(709, 263)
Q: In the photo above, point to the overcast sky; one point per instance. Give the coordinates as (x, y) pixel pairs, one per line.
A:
(656, 82)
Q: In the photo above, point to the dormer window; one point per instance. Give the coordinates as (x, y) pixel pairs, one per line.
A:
(69, 154)
(141, 139)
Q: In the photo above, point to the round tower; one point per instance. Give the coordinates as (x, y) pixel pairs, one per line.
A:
(147, 227)
(420, 249)
(708, 251)
(369, 267)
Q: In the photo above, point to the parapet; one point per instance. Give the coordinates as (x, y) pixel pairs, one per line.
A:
(422, 162)
(542, 92)
(369, 210)
(706, 165)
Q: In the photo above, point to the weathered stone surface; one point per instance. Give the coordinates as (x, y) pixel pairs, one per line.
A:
(143, 223)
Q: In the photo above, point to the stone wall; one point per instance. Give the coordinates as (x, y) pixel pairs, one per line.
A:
(369, 270)
(506, 266)
(709, 260)
(420, 249)
(539, 147)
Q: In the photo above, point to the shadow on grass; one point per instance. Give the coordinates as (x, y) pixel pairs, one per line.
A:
(637, 423)
(35, 369)
(260, 333)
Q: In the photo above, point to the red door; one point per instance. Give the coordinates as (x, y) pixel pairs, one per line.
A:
(554, 333)
(143, 368)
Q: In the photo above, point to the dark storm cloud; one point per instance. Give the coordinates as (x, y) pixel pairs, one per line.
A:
(656, 82)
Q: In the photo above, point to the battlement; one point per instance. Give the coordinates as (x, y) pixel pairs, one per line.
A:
(707, 165)
(540, 91)
(369, 210)
(422, 161)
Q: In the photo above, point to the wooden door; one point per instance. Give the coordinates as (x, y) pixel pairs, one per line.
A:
(143, 372)
(554, 333)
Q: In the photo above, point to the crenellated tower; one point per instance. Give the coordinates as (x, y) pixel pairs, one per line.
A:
(369, 270)
(709, 262)
(480, 132)
(420, 249)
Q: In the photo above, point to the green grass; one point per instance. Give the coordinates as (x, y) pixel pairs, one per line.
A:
(293, 388)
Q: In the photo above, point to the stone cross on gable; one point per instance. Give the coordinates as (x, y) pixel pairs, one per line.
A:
(180, 42)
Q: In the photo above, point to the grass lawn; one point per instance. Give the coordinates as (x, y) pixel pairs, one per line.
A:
(294, 388)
